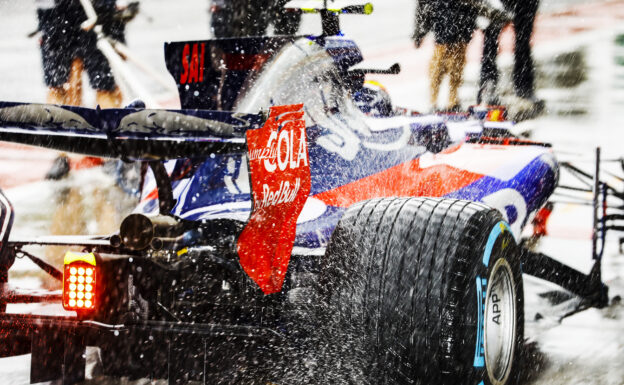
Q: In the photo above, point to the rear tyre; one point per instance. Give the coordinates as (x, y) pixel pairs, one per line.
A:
(420, 290)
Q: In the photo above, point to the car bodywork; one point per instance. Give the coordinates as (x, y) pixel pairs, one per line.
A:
(369, 156)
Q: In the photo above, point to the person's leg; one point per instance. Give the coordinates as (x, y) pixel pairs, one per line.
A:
(107, 94)
(259, 14)
(457, 62)
(74, 84)
(70, 93)
(56, 57)
(436, 72)
(56, 95)
(523, 72)
(221, 18)
(489, 68)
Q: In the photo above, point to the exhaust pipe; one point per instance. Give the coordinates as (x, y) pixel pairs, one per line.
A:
(138, 231)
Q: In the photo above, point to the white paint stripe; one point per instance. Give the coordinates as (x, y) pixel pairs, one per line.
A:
(319, 251)
(501, 162)
(184, 186)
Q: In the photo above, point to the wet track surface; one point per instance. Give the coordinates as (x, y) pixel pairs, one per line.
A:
(580, 63)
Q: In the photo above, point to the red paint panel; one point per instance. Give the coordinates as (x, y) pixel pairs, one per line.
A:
(280, 184)
(406, 179)
(85, 162)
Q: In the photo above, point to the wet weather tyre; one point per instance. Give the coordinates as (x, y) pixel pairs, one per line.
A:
(420, 291)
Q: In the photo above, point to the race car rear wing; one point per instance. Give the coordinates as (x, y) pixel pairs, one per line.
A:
(128, 133)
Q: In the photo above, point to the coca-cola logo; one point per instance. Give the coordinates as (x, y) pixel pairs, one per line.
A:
(280, 183)
(288, 149)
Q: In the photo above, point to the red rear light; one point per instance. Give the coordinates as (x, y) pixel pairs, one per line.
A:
(79, 282)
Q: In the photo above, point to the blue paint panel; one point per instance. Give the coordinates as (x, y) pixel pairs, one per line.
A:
(535, 183)
(330, 170)
(316, 233)
(208, 186)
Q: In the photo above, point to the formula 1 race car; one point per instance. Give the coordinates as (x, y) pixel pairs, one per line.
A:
(286, 234)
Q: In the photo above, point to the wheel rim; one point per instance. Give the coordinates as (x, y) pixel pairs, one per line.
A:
(500, 323)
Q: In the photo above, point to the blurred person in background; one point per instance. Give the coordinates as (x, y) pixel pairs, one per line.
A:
(452, 24)
(422, 21)
(67, 49)
(239, 18)
(522, 14)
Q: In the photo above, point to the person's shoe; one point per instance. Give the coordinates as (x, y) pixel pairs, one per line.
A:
(454, 108)
(520, 108)
(537, 102)
(487, 94)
